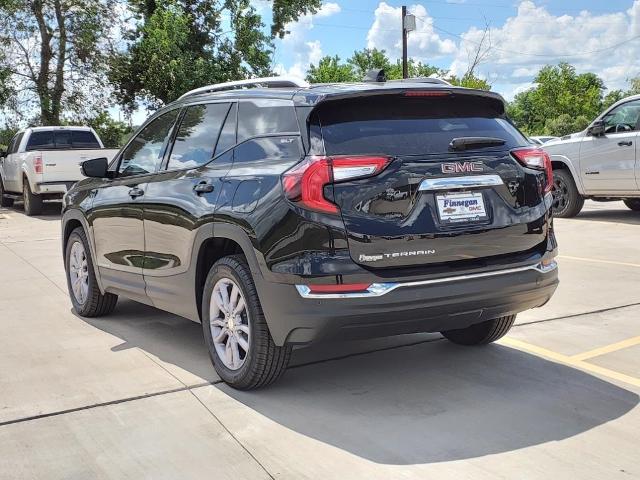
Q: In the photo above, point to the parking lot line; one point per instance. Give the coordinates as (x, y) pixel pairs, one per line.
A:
(596, 352)
(568, 360)
(597, 260)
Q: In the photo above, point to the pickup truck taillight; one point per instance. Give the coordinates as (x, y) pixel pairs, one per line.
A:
(538, 159)
(37, 164)
(305, 182)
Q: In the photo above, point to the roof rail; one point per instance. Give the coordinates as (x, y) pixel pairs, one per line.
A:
(268, 82)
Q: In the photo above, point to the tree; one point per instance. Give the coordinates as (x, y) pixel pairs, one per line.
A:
(179, 45)
(113, 133)
(330, 70)
(558, 90)
(54, 53)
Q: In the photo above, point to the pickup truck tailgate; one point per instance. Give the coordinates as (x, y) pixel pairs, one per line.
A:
(64, 165)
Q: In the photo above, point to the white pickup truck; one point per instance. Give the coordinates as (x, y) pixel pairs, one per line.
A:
(42, 163)
(601, 163)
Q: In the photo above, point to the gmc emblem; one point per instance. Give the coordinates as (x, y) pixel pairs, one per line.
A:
(461, 167)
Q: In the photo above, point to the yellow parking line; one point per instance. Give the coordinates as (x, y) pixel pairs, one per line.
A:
(596, 352)
(567, 360)
(597, 260)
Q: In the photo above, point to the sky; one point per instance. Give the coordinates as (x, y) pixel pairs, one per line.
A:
(594, 35)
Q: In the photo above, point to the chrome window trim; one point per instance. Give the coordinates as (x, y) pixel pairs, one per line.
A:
(379, 289)
(468, 181)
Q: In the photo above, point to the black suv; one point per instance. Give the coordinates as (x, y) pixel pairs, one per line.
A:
(280, 215)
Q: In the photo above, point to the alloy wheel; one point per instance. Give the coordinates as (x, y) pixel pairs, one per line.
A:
(79, 272)
(230, 325)
(560, 194)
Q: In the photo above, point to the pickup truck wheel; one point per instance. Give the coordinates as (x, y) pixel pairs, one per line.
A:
(235, 330)
(4, 201)
(481, 333)
(633, 204)
(567, 201)
(85, 294)
(32, 202)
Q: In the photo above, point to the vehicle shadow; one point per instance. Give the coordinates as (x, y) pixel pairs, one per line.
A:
(410, 400)
(51, 210)
(627, 216)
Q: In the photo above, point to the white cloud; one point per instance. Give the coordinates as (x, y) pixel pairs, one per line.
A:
(534, 38)
(304, 52)
(423, 43)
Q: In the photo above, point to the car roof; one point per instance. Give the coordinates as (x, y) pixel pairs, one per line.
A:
(316, 93)
(58, 127)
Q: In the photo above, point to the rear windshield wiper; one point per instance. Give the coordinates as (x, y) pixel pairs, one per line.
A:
(464, 143)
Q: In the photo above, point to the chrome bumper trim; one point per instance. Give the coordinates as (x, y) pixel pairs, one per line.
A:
(451, 183)
(379, 289)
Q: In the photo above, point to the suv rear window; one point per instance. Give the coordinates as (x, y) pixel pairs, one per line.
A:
(62, 140)
(399, 125)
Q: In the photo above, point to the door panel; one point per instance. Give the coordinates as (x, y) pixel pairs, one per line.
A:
(607, 163)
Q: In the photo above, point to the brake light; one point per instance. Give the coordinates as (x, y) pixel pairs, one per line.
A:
(37, 164)
(305, 182)
(538, 159)
(426, 93)
(343, 288)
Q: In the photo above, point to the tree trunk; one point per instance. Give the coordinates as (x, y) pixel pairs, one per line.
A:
(58, 88)
(48, 117)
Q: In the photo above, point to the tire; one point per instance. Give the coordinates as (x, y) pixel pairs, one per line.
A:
(93, 303)
(481, 333)
(567, 201)
(4, 201)
(32, 202)
(633, 204)
(263, 361)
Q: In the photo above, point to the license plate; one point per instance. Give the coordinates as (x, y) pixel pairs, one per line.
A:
(461, 207)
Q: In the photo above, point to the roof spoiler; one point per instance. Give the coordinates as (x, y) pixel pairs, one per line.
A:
(378, 75)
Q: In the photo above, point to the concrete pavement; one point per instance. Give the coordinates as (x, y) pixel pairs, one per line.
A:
(133, 395)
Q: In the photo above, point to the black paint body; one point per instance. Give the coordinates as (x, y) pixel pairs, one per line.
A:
(151, 247)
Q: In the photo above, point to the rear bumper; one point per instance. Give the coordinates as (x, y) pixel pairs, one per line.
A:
(417, 306)
(59, 188)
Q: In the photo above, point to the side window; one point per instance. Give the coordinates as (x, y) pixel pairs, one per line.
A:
(264, 117)
(144, 153)
(14, 145)
(227, 137)
(623, 118)
(267, 149)
(84, 139)
(197, 134)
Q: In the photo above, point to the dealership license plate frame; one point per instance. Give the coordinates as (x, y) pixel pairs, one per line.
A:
(460, 214)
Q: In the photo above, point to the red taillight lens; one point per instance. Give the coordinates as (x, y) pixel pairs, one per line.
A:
(536, 158)
(426, 93)
(344, 288)
(304, 183)
(37, 164)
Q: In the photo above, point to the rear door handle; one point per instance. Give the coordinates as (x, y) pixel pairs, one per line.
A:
(625, 143)
(203, 187)
(136, 192)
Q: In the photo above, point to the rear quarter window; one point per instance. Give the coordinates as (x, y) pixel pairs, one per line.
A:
(398, 125)
(41, 140)
(264, 117)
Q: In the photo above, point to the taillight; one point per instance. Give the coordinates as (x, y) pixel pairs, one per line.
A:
(427, 93)
(305, 182)
(37, 164)
(538, 159)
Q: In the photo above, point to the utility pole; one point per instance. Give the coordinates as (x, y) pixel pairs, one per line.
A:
(408, 24)
(405, 68)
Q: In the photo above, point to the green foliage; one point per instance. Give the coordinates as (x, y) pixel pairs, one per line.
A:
(558, 100)
(6, 134)
(113, 133)
(184, 44)
(331, 70)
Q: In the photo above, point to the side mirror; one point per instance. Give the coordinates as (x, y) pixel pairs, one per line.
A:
(596, 129)
(95, 168)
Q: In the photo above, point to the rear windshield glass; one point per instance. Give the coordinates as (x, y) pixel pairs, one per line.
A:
(62, 140)
(399, 125)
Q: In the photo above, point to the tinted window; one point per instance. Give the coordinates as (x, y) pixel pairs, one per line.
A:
(15, 143)
(84, 139)
(268, 148)
(228, 134)
(144, 153)
(263, 116)
(197, 135)
(41, 140)
(411, 125)
(62, 139)
(623, 118)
